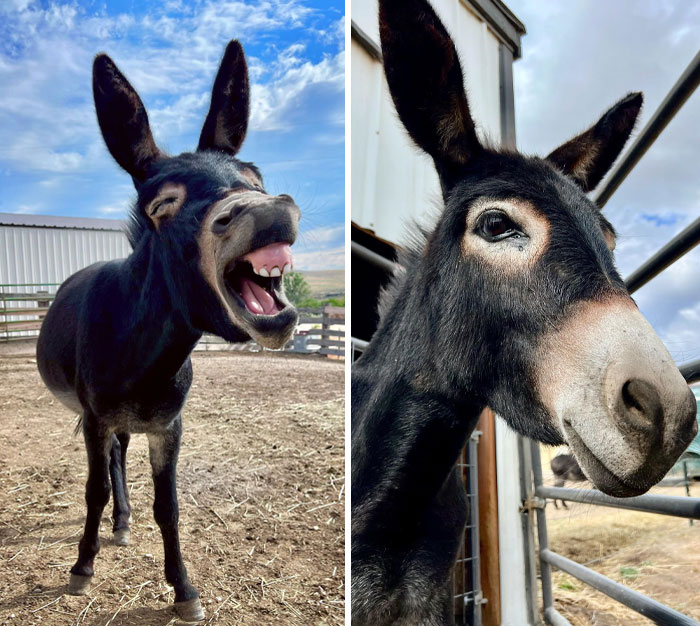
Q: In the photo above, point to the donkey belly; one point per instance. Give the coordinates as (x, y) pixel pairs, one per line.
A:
(56, 349)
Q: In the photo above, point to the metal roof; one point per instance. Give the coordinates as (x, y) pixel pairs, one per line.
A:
(60, 221)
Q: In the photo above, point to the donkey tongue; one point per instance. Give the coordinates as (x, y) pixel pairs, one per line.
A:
(278, 254)
(257, 299)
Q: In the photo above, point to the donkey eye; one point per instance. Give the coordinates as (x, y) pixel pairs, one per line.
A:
(162, 204)
(495, 226)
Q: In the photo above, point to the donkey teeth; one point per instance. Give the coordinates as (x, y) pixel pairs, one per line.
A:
(263, 272)
(287, 268)
(275, 272)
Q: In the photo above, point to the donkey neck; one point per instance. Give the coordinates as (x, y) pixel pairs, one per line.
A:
(156, 320)
(408, 427)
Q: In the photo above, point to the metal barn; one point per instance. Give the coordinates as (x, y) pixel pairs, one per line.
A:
(45, 249)
(38, 252)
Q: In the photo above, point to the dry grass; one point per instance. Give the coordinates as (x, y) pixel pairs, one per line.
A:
(653, 554)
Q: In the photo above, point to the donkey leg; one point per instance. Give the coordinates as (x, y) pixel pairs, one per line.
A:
(120, 497)
(98, 445)
(163, 450)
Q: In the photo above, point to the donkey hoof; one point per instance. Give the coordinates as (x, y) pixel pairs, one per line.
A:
(78, 585)
(121, 537)
(190, 610)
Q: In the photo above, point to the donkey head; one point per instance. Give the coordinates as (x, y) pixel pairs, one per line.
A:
(221, 242)
(517, 280)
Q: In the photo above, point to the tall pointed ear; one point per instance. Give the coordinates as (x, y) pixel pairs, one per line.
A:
(227, 120)
(425, 79)
(122, 119)
(587, 157)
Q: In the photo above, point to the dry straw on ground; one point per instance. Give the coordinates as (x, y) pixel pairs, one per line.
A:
(261, 483)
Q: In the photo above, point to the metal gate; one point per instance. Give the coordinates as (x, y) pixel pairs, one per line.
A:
(535, 493)
(466, 582)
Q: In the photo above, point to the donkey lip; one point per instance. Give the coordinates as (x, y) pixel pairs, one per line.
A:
(272, 260)
(599, 474)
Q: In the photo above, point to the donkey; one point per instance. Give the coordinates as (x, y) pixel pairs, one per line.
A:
(510, 301)
(565, 467)
(209, 250)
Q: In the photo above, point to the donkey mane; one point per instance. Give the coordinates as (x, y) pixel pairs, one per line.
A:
(407, 256)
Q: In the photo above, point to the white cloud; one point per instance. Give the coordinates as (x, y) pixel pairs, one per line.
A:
(320, 259)
(112, 210)
(324, 234)
(27, 209)
(48, 125)
(15, 5)
(291, 77)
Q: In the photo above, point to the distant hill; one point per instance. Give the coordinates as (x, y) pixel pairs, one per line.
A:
(326, 283)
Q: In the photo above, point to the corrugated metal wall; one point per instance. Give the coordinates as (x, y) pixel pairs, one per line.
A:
(34, 259)
(50, 255)
(392, 181)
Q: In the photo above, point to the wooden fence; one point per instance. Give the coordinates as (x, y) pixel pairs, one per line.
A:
(23, 308)
(320, 331)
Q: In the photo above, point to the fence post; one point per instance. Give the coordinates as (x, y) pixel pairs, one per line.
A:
(43, 303)
(687, 483)
(3, 302)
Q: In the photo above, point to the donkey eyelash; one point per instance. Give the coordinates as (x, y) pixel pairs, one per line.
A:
(156, 207)
(496, 226)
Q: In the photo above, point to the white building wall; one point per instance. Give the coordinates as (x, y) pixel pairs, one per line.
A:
(33, 255)
(36, 259)
(392, 181)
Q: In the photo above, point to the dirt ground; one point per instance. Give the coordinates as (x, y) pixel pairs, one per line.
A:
(261, 486)
(656, 555)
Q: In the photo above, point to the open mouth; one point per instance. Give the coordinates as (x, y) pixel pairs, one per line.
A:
(254, 281)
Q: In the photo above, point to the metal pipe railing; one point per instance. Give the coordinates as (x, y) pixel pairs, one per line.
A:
(667, 505)
(683, 242)
(676, 506)
(542, 536)
(674, 100)
(650, 608)
(691, 371)
(374, 258)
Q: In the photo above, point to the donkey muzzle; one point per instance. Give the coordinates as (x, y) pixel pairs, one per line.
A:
(266, 219)
(623, 406)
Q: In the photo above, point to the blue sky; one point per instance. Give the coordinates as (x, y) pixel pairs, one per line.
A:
(52, 157)
(577, 61)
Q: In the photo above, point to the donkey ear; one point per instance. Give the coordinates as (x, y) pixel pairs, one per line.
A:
(227, 120)
(425, 79)
(123, 119)
(587, 157)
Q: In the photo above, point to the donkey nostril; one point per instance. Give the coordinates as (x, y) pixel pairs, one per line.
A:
(222, 222)
(284, 196)
(640, 405)
(628, 397)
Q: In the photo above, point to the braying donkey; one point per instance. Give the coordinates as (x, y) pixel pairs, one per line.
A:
(510, 301)
(209, 250)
